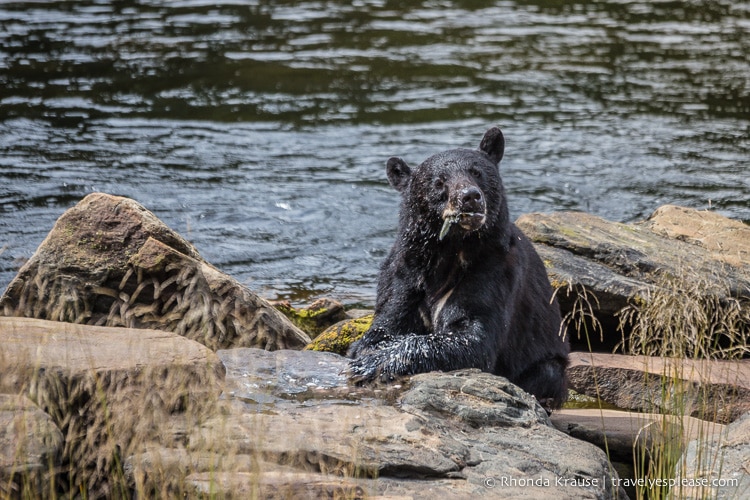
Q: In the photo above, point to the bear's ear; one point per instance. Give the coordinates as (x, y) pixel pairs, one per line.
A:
(398, 173)
(493, 143)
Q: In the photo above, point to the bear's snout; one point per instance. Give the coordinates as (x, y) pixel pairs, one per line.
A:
(471, 200)
(466, 207)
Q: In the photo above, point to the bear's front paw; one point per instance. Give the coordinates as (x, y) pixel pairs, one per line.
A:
(363, 369)
(372, 338)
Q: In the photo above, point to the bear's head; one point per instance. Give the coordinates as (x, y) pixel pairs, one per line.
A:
(455, 193)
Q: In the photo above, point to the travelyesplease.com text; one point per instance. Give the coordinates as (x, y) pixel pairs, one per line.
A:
(594, 482)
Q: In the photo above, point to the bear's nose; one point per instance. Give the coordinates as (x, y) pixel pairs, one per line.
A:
(471, 199)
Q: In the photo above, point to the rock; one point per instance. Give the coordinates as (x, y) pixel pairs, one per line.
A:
(677, 251)
(477, 398)
(358, 313)
(340, 336)
(300, 430)
(716, 466)
(30, 449)
(314, 318)
(109, 390)
(254, 378)
(725, 239)
(639, 445)
(619, 431)
(715, 390)
(109, 261)
(272, 484)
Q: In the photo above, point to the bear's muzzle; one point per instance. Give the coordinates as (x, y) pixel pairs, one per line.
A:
(467, 209)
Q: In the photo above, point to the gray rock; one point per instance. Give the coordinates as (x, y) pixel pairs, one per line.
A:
(30, 449)
(273, 484)
(283, 374)
(676, 251)
(292, 426)
(620, 431)
(716, 466)
(109, 261)
(476, 398)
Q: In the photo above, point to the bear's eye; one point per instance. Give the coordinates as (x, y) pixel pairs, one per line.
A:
(439, 183)
(475, 172)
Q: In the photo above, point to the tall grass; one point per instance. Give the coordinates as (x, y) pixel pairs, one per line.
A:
(582, 318)
(684, 318)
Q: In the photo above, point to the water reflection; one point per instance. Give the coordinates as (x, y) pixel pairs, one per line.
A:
(259, 129)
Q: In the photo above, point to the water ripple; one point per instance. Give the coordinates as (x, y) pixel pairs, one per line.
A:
(260, 129)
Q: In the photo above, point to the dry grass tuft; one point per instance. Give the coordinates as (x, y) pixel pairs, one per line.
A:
(162, 289)
(676, 318)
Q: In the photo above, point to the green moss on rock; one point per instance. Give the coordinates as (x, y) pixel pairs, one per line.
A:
(315, 318)
(578, 401)
(340, 336)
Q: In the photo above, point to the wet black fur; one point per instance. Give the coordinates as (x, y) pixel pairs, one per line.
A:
(499, 317)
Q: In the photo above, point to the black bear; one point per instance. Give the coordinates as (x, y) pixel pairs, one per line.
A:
(462, 287)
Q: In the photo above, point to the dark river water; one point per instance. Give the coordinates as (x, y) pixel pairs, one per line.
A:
(259, 130)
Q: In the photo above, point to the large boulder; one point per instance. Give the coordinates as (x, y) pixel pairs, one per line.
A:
(109, 261)
(680, 269)
(293, 427)
(110, 391)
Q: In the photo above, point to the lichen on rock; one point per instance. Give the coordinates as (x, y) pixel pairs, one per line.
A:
(340, 336)
(316, 317)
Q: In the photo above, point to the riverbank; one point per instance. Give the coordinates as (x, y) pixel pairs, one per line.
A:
(130, 364)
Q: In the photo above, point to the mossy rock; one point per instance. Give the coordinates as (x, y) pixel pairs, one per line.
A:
(340, 336)
(315, 318)
(580, 401)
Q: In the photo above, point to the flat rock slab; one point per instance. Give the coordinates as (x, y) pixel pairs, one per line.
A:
(109, 261)
(274, 484)
(713, 390)
(30, 448)
(725, 239)
(619, 431)
(293, 426)
(107, 389)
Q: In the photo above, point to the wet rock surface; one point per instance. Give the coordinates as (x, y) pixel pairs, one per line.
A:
(294, 426)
